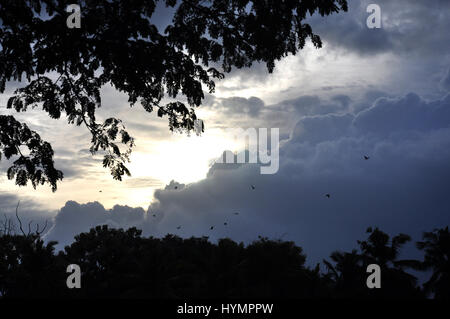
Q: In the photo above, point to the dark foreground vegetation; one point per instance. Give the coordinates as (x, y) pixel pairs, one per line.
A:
(123, 264)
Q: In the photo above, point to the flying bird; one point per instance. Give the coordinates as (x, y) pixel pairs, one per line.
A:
(366, 157)
(99, 191)
(236, 213)
(253, 187)
(178, 227)
(327, 195)
(212, 227)
(154, 215)
(225, 223)
(176, 187)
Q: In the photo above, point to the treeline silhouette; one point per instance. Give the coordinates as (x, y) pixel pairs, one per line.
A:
(117, 263)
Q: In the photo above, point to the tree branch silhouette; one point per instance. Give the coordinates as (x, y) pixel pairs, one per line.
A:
(118, 45)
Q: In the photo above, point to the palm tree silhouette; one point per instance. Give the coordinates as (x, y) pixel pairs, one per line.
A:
(436, 245)
(348, 275)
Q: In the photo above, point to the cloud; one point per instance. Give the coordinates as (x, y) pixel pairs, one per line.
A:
(340, 103)
(238, 106)
(315, 129)
(357, 36)
(75, 218)
(142, 182)
(402, 188)
(313, 105)
(29, 213)
(408, 27)
(407, 113)
(445, 83)
(254, 113)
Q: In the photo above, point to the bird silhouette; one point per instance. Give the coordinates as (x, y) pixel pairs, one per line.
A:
(178, 227)
(327, 195)
(253, 187)
(225, 223)
(100, 191)
(176, 187)
(212, 227)
(366, 157)
(154, 215)
(236, 213)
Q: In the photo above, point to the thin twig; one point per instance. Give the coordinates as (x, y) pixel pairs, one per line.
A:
(20, 222)
(43, 229)
(29, 228)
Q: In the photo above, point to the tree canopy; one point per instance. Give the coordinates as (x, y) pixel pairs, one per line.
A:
(118, 44)
(117, 263)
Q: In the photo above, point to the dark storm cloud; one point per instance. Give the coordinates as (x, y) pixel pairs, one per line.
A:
(350, 32)
(252, 112)
(315, 129)
(416, 114)
(313, 105)
(402, 188)
(409, 27)
(445, 83)
(344, 100)
(75, 218)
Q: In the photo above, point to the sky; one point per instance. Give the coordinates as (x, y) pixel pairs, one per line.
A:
(384, 93)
